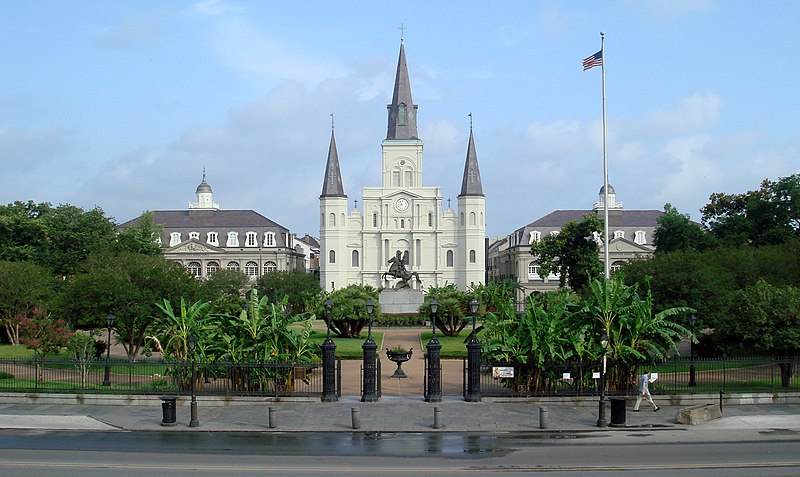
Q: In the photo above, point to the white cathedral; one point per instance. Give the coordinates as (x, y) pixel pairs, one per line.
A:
(442, 245)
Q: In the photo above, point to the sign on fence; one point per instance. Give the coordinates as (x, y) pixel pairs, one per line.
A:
(503, 372)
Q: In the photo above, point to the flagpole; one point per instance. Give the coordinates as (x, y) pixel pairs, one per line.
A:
(605, 162)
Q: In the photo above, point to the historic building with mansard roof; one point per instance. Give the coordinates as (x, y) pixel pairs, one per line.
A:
(205, 238)
(442, 245)
(630, 236)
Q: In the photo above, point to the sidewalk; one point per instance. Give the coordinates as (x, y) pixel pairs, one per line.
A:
(400, 409)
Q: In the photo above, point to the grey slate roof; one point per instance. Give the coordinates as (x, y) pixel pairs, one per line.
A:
(210, 220)
(626, 220)
(398, 129)
(471, 182)
(332, 186)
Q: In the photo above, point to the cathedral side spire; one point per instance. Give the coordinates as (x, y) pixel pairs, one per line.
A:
(402, 111)
(332, 186)
(471, 183)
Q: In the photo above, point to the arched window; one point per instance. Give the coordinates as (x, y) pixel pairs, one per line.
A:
(232, 266)
(212, 239)
(251, 240)
(533, 271)
(354, 260)
(402, 114)
(332, 257)
(430, 219)
(194, 235)
(194, 269)
(211, 268)
(402, 223)
(618, 234)
(409, 179)
(616, 266)
(640, 237)
(472, 256)
(270, 266)
(396, 178)
(251, 269)
(462, 218)
(332, 219)
(536, 236)
(269, 239)
(374, 219)
(472, 218)
(233, 239)
(449, 258)
(174, 239)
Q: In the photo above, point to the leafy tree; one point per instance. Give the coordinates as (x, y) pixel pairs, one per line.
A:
(349, 312)
(226, 290)
(765, 318)
(453, 306)
(43, 334)
(677, 232)
(573, 254)
(129, 286)
(301, 288)
(141, 239)
(22, 233)
(81, 349)
(770, 215)
(494, 295)
(73, 234)
(25, 287)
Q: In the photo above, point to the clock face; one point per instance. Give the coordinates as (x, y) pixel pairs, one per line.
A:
(401, 204)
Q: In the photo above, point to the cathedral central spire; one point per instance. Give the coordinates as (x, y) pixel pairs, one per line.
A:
(402, 111)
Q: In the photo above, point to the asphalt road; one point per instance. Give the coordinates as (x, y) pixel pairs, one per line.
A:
(668, 453)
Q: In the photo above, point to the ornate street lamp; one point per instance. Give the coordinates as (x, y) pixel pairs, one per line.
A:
(369, 348)
(328, 359)
(692, 381)
(192, 342)
(107, 375)
(473, 359)
(601, 415)
(434, 383)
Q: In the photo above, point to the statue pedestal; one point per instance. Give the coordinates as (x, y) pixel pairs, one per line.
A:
(404, 300)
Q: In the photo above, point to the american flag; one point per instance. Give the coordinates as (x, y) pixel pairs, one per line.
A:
(592, 61)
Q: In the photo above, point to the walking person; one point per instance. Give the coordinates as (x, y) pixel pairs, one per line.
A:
(644, 392)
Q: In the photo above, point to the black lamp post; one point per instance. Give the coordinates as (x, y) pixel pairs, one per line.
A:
(107, 375)
(434, 387)
(328, 359)
(692, 381)
(601, 414)
(473, 360)
(370, 388)
(192, 342)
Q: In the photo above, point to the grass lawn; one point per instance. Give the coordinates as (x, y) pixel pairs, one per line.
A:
(453, 347)
(348, 348)
(19, 351)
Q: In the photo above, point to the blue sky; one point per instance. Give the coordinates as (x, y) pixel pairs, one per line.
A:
(122, 104)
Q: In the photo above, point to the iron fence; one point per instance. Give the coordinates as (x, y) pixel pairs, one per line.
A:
(750, 374)
(160, 377)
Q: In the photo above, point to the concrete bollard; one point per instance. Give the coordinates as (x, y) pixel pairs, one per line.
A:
(543, 424)
(272, 423)
(356, 418)
(437, 417)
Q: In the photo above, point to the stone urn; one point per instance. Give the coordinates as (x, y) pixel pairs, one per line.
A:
(399, 356)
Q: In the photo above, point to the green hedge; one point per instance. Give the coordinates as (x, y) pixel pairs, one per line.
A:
(390, 319)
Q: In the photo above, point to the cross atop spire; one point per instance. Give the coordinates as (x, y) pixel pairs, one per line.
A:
(402, 111)
(402, 32)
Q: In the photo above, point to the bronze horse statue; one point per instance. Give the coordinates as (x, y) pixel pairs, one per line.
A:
(398, 270)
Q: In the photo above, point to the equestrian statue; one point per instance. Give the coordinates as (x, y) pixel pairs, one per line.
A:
(397, 269)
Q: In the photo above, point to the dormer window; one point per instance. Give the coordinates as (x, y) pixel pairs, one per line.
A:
(251, 240)
(233, 239)
(536, 236)
(174, 239)
(212, 239)
(194, 235)
(269, 239)
(618, 234)
(640, 237)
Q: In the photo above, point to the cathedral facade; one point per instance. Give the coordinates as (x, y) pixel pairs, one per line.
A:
(438, 244)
